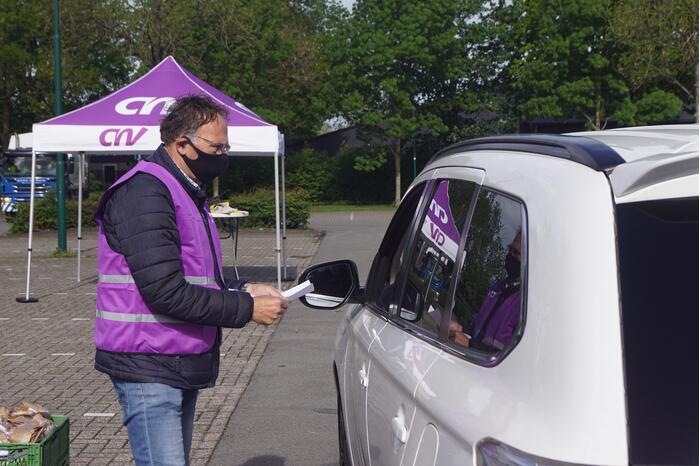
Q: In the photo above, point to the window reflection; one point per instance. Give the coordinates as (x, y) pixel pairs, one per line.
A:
(430, 275)
(487, 306)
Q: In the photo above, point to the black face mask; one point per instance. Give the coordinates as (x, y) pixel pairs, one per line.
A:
(512, 266)
(207, 166)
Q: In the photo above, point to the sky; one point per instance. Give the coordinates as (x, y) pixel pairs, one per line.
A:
(348, 4)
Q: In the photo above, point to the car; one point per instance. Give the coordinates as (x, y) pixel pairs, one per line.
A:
(534, 301)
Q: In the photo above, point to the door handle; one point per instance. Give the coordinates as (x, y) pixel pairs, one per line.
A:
(399, 427)
(364, 379)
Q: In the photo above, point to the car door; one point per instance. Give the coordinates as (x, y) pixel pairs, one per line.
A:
(408, 345)
(364, 327)
(456, 404)
(366, 322)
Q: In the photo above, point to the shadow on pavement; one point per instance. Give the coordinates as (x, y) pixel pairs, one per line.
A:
(261, 273)
(272, 460)
(265, 460)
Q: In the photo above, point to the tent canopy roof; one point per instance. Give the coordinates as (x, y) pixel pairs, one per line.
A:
(128, 120)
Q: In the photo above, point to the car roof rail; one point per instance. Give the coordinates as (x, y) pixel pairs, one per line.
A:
(580, 149)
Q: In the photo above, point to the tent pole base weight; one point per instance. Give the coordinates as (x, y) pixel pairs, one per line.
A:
(24, 299)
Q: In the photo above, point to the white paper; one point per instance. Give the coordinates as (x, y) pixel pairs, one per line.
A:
(435, 315)
(298, 291)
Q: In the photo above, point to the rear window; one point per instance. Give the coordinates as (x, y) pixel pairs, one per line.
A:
(658, 257)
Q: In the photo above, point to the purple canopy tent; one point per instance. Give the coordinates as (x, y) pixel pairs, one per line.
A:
(128, 121)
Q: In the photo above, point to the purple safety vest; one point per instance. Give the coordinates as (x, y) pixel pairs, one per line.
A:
(124, 323)
(501, 321)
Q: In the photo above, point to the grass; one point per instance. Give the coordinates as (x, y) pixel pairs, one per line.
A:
(350, 207)
(60, 253)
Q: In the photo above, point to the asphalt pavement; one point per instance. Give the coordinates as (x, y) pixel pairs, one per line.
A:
(4, 226)
(47, 350)
(287, 415)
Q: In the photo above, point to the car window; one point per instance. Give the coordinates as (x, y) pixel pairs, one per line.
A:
(658, 262)
(426, 295)
(487, 305)
(381, 284)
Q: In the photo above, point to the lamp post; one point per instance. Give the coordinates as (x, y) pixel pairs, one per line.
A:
(58, 108)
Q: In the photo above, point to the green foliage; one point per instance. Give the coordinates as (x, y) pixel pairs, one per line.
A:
(45, 214)
(433, 71)
(602, 59)
(245, 174)
(63, 254)
(261, 206)
(401, 66)
(659, 44)
(370, 158)
(314, 172)
(340, 177)
(93, 36)
(362, 187)
(656, 107)
(564, 63)
(266, 53)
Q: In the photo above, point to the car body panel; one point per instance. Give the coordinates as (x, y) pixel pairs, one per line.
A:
(362, 329)
(398, 364)
(532, 400)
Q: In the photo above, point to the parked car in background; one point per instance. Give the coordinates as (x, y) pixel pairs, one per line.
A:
(533, 302)
(16, 179)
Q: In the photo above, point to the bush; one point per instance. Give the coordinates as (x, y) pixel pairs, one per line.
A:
(363, 187)
(46, 213)
(261, 205)
(315, 172)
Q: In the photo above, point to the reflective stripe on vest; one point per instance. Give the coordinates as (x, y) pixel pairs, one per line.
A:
(192, 280)
(137, 318)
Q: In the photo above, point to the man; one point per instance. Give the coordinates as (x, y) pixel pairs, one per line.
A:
(499, 314)
(162, 298)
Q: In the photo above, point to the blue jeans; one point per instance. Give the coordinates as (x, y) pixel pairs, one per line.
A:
(159, 420)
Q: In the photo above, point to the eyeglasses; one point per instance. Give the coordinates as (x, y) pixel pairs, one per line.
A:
(219, 149)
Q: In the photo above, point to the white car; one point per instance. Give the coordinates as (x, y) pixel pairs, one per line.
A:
(534, 302)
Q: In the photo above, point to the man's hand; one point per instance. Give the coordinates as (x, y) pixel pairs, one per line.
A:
(456, 334)
(260, 289)
(267, 309)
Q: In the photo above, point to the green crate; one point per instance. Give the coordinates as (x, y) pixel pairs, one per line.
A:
(52, 451)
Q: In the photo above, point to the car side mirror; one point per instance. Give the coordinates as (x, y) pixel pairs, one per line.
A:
(334, 284)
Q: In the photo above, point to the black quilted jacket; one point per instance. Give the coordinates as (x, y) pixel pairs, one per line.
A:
(139, 222)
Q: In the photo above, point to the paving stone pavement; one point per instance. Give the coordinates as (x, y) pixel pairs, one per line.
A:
(47, 353)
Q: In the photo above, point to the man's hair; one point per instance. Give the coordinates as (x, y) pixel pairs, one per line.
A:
(187, 114)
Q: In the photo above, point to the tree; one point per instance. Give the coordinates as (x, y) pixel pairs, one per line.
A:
(659, 41)
(569, 64)
(401, 65)
(92, 35)
(24, 35)
(265, 54)
(565, 61)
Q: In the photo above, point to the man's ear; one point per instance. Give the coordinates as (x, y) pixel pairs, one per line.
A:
(180, 144)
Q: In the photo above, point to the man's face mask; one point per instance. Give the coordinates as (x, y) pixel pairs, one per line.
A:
(512, 266)
(206, 166)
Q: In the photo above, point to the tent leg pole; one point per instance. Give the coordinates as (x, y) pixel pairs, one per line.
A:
(81, 158)
(284, 223)
(26, 298)
(278, 249)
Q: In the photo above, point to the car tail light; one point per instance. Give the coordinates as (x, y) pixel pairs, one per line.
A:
(491, 452)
